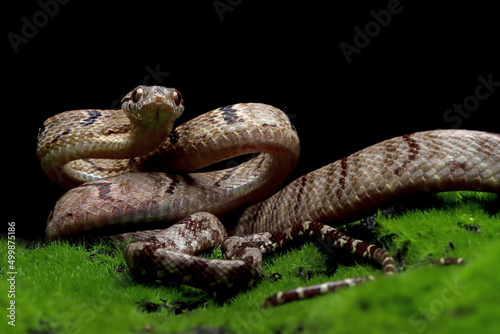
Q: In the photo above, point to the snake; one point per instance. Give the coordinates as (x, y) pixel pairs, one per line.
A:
(133, 175)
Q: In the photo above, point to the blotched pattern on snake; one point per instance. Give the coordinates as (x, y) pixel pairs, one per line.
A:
(132, 172)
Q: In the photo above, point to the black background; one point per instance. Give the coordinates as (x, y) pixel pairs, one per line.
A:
(89, 53)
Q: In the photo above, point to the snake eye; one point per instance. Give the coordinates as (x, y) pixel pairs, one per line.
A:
(177, 98)
(136, 95)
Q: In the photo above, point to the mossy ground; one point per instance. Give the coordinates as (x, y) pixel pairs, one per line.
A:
(77, 288)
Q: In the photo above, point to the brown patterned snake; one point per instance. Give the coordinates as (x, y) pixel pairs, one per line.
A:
(112, 150)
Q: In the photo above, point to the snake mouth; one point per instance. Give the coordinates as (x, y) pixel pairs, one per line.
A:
(159, 110)
(158, 106)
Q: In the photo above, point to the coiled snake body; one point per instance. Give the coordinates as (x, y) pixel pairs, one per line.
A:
(119, 195)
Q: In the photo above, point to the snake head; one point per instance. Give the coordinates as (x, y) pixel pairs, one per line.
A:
(153, 105)
(152, 111)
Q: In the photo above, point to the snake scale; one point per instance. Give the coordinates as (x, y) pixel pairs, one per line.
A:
(129, 171)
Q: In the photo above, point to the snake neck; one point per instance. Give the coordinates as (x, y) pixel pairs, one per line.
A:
(142, 139)
(66, 155)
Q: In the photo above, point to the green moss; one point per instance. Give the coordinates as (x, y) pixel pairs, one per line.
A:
(64, 288)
